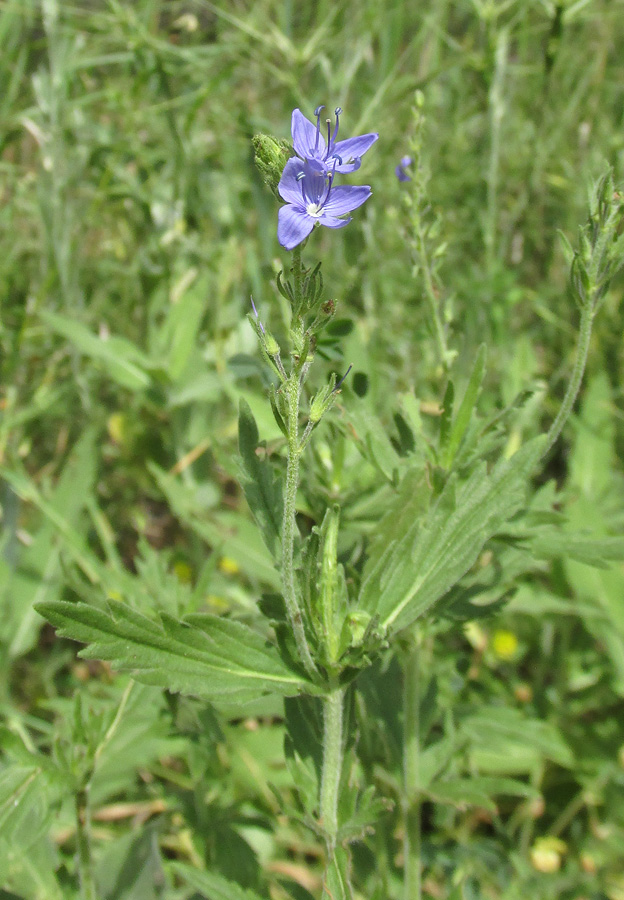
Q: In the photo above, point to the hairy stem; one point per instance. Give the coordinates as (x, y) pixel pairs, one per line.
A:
(412, 889)
(587, 319)
(83, 838)
(292, 390)
(289, 526)
(332, 765)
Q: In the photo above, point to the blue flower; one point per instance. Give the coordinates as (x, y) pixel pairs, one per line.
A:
(311, 197)
(400, 172)
(331, 156)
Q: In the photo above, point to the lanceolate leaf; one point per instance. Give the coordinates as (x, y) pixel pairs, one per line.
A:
(419, 558)
(206, 656)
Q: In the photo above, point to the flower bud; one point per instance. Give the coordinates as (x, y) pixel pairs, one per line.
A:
(271, 155)
(270, 344)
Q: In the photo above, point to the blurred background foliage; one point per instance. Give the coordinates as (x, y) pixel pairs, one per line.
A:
(133, 229)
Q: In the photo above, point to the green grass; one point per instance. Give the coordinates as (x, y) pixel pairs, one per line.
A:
(133, 229)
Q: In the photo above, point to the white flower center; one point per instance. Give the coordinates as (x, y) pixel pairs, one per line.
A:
(314, 209)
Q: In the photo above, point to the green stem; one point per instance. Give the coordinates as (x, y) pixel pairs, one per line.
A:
(332, 765)
(587, 319)
(289, 526)
(83, 838)
(430, 293)
(292, 391)
(412, 888)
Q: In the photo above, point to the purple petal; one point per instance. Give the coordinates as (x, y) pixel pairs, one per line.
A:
(346, 197)
(345, 168)
(293, 226)
(332, 222)
(406, 161)
(289, 187)
(304, 136)
(401, 174)
(351, 149)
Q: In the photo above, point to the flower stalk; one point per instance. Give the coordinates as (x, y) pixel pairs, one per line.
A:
(292, 393)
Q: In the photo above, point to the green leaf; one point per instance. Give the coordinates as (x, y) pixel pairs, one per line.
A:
(230, 533)
(419, 557)
(372, 440)
(214, 886)
(464, 413)
(262, 490)
(338, 875)
(30, 870)
(122, 360)
(177, 337)
(478, 790)
(205, 656)
(505, 741)
(130, 868)
(20, 795)
(37, 576)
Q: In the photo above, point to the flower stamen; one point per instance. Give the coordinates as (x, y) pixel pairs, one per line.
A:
(337, 113)
(317, 113)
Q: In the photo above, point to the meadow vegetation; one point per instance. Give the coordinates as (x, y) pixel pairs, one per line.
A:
(474, 577)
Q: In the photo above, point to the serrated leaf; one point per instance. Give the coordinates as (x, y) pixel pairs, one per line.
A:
(205, 656)
(214, 886)
(262, 489)
(410, 570)
(598, 552)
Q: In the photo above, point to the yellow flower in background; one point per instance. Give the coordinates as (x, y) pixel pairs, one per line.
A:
(228, 566)
(547, 854)
(183, 571)
(117, 427)
(504, 644)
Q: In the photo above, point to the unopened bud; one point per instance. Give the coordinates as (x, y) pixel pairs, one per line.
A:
(271, 155)
(270, 344)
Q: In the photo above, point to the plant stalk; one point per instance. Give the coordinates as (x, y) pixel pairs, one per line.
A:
(333, 710)
(432, 299)
(582, 350)
(83, 838)
(292, 390)
(412, 887)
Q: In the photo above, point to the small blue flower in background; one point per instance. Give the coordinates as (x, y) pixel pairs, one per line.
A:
(400, 172)
(311, 197)
(309, 143)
